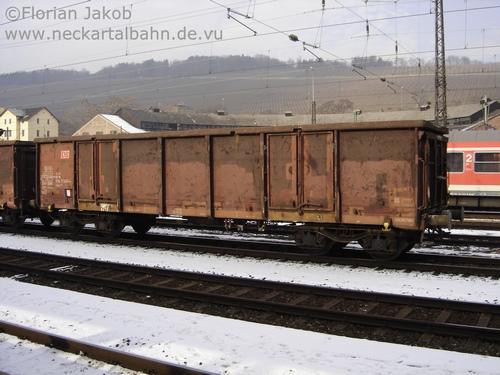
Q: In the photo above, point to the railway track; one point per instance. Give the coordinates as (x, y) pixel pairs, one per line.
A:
(426, 319)
(100, 353)
(464, 240)
(479, 266)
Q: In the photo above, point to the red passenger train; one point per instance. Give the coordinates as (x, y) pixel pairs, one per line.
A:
(474, 170)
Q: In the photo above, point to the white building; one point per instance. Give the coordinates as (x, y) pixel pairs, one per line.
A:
(28, 124)
(107, 124)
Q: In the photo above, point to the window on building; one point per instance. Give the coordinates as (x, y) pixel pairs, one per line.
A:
(455, 162)
(22, 133)
(5, 121)
(113, 132)
(10, 121)
(487, 162)
(48, 133)
(48, 121)
(38, 133)
(37, 120)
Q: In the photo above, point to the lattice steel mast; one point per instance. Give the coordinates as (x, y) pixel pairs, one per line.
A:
(441, 111)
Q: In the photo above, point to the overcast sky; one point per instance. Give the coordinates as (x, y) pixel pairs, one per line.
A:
(414, 34)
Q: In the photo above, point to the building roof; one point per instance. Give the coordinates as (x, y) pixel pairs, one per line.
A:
(30, 112)
(137, 116)
(26, 113)
(122, 124)
(474, 135)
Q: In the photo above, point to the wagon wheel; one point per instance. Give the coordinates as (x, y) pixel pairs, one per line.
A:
(75, 227)
(394, 247)
(316, 244)
(46, 219)
(13, 218)
(110, 228)
(141, 228)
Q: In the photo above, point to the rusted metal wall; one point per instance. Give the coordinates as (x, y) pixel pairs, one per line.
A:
(187, 178)
(301, 177)
(25, 172)
(56, 174)
(238, 176)
(318, 182)
(107, 187)
(98, 175)
(436, 175)
(7, 193)
(316, 174)
(378, 177)
(85, 165)
(283, 179)
(141, 176)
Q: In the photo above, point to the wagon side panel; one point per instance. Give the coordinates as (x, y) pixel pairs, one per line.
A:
(98, 172)
(86, 178)
(187, 178)
(7, 193)
(317, 177)
(378, 177)
(56, 175)
(301, 182)
(238, 185)
(25, 172)
(283, 177)
(141, 176)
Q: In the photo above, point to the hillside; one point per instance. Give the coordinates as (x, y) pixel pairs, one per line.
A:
(243, 84)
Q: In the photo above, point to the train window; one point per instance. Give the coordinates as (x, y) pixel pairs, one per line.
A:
(487, 162)
(455, 162)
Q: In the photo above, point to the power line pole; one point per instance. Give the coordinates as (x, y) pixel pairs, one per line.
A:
(313, 97)
(441, 111)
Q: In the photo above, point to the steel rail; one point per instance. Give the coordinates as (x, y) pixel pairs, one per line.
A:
(100, 353)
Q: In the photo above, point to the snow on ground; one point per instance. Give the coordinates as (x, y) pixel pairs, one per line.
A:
(472, 288)
(206, 233)
(469, 251)
(21, 357)
(211, 343)
(476, 232)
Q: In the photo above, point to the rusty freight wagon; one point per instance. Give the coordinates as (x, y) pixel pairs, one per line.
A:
(380, 184)
(17, 181)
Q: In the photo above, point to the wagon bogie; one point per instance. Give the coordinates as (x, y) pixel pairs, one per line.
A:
(389, 245)
(46, 218)
(13, 218)
(109, 225)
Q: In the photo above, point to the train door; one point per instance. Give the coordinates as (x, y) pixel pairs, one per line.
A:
(86, 180)
(98, 176)
(435, 172)
(301, 177)
(107, 173)
(25, 172)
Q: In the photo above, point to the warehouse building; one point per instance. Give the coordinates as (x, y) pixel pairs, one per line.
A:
(107, 124)
(459, 117)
